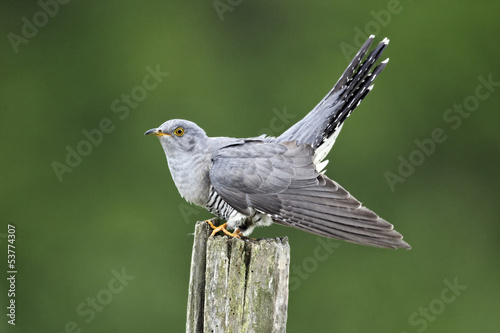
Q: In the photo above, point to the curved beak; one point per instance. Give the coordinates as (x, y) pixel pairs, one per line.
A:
(151, 131)
(156, 132)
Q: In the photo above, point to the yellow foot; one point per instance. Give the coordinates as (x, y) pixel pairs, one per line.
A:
(222, 228)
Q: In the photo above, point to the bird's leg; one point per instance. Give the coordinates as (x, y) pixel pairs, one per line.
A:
(222, 228)
(236, 234)
(212, 226)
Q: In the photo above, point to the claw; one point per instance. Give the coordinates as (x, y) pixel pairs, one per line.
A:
(222, 228)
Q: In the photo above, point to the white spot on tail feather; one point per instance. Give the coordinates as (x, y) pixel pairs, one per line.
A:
(320, 167)
(324, 149)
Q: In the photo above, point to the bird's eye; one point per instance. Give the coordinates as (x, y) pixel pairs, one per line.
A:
(179, 131)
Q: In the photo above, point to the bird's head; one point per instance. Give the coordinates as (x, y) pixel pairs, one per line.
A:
(179, 135)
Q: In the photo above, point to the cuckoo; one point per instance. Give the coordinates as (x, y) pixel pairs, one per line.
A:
(258, 181)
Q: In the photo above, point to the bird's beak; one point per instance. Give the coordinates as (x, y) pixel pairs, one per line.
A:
(156, 132)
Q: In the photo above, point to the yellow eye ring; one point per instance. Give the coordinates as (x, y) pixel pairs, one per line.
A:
(179, 131)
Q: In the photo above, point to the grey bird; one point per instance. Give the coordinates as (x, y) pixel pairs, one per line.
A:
(257, 181)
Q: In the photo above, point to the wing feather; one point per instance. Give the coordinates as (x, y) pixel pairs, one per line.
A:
(280, 179)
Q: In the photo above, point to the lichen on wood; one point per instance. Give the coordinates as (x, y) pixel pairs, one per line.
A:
(237, 285)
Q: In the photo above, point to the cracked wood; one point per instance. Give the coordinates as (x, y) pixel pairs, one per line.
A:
(237, 285)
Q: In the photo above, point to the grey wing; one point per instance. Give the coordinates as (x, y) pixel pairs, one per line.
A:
(326, 119)
(280, 179)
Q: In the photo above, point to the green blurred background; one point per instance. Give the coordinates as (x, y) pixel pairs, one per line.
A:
(232, 72)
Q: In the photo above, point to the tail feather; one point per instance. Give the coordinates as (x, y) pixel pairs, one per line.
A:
(321, 126)
(348, 74)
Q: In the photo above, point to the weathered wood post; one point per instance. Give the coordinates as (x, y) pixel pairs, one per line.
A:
(237, 285)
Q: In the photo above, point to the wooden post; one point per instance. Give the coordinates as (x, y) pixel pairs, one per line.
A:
(237, 285)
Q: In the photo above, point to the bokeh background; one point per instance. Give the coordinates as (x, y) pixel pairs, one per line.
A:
(236, 68)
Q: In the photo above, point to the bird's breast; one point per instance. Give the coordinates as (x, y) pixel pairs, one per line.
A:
(190, 175)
